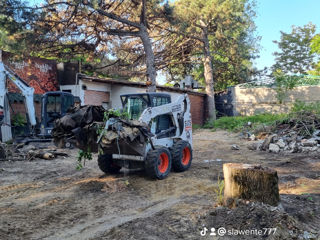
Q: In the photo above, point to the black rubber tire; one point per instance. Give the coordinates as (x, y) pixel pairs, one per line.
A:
(177, 156)
(106, 164)
(152, 166)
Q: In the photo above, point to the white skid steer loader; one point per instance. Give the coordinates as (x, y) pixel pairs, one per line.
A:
(170, 145)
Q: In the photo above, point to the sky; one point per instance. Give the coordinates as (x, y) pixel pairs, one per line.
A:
(274, 16)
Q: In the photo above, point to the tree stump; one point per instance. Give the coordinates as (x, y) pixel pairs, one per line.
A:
(250, 182)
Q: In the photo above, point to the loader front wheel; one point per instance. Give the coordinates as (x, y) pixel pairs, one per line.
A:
(181, 156)
(158, 163)
(106, 164)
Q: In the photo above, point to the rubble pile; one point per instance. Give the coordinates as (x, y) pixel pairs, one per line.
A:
(303, 123)
(290, 143)
(22, 152)
(301, 133)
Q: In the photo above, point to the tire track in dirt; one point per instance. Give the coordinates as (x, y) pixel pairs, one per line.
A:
(103, 224)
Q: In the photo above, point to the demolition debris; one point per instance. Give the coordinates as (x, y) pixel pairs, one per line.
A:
(300, 133)
(21, 152)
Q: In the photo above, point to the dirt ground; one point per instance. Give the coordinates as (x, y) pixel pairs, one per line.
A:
(44, 199)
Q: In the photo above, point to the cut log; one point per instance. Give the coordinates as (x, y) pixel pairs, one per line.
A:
(250, 182)
(40, 154)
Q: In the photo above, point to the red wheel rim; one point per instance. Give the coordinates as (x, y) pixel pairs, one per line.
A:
(186, 156)
(163, 163)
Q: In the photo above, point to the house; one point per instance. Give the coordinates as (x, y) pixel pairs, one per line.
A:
(188, 83)
(107, 91)
(46, 75)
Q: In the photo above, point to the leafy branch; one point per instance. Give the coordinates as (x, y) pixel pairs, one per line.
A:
(82, 157)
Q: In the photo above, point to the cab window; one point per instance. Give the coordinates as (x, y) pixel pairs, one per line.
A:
(135, 106)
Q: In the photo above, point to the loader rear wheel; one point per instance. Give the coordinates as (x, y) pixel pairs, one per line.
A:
(158, 163)
(181, 156)
(106, 164)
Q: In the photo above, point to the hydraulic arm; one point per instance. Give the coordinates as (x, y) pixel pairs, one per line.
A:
(25, 89)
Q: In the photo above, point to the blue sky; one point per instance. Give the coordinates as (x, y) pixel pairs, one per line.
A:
(274, 16)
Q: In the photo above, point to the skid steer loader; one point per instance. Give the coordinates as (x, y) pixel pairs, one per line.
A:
(169, 145)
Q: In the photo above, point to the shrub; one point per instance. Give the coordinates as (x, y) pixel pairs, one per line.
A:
(311, 108)
(18, 120)
(239, 122)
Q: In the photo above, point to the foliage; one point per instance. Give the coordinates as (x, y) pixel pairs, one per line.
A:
(315, 48)
(15, 30)
(231, 35)
(295, 54)
(111, 113)
(115, 113)
(18, 120)
(298, 113)
(284, 83)
(310, 108)
(219, 190)
(119, 31)
(239, 122)
(304, 119)
(196, 126)
(315, 44)
(82, 157)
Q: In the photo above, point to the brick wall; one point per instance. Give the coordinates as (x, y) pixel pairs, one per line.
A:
(92, 97)
(197, 108)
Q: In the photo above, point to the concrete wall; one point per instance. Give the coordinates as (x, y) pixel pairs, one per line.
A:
(250, 101)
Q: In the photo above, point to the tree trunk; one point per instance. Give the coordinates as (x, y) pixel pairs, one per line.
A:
(150, 62)
(250, 182)
(208, 75)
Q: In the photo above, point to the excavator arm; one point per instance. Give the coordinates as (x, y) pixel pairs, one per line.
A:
(27, 92)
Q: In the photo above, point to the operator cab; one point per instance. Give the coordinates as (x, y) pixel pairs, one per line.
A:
(54, 105)
(135, 104)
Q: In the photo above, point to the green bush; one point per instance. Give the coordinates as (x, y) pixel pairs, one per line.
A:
(239, 122)
(311, 108)
(18, 120)
(196, 126)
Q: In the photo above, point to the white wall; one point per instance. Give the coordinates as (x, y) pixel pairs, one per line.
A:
(117, 90)
(75, 89)
(114, 89)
